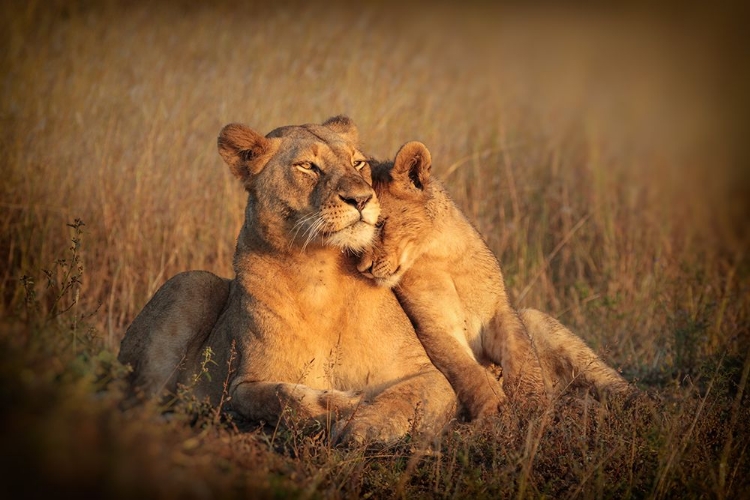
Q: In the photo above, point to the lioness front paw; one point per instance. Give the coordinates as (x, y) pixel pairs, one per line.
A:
(343, 402)
(361, 430)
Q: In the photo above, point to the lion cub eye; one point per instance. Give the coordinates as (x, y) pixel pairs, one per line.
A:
(380, 223)
(359, 164)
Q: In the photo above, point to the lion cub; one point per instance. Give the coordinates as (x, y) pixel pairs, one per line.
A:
(450, 284)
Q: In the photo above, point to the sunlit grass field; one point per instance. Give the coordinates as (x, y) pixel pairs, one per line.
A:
(592, 149)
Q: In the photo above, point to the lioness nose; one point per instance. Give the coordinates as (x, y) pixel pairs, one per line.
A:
(356, 200)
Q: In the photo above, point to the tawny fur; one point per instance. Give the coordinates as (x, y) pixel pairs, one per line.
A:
(452, 288)
(313, 337)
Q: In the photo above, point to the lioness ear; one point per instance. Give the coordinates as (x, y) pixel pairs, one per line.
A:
(343, 125)
(412, 165)
(243, 149)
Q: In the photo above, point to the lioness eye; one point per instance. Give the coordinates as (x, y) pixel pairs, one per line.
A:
(308, 166)
(359, 164)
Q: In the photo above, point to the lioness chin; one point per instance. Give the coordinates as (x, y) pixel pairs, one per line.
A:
(451, 286)
(298, 331)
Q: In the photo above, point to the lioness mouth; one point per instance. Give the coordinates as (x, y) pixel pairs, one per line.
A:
(356, 236)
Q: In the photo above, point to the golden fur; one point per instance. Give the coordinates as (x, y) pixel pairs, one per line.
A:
(312, 337)
(451, 286)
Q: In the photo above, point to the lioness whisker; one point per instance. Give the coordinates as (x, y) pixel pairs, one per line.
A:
(305, 219)
(298, 226)
(314, 230)
(312, 227)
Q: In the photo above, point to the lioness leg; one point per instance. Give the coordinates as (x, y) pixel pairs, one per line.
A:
(179, 316)
(422, 402)
(567, 360)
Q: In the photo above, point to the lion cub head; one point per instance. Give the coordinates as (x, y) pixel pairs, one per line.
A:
(308, 185)
(408, 200)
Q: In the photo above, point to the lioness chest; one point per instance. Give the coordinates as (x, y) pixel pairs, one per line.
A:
(327, 329)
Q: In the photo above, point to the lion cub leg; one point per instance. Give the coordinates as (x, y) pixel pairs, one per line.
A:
(567, 360)
(442, 327)
(506, 342)
(480, 393)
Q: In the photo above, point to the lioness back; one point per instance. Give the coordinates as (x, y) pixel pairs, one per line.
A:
(171, 327)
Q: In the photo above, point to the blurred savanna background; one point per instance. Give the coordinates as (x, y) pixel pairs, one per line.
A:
(596, 150)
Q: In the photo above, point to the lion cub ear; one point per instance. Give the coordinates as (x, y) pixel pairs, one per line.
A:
(412, 165)
(244, 150)
(343, 125)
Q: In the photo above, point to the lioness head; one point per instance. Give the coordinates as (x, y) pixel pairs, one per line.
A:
(307, 184)
(404, 189)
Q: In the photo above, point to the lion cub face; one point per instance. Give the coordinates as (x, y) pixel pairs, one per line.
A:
(405, 193)
(307, 184)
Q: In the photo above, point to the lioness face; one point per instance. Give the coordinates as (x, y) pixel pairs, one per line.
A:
(308, 184)
(405, 218)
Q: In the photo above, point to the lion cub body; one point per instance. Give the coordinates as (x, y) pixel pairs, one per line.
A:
(451, 285)
(298, 331)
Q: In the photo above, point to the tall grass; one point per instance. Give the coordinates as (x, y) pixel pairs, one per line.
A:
(590, 148)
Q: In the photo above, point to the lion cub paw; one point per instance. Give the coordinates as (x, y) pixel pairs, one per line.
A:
(478, 409)
(484, 400)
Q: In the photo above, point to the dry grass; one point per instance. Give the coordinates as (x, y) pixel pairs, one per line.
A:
(592, 149)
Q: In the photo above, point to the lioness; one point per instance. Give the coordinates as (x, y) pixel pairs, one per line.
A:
(311, 335)
(450, 285)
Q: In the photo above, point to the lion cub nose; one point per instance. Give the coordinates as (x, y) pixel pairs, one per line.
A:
(358, 201)
(365, 265)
